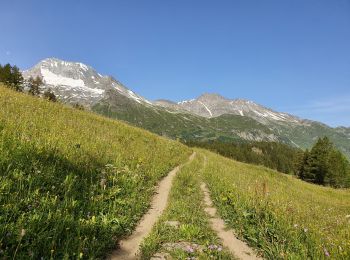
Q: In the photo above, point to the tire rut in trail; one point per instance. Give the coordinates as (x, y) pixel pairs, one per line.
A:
(237, 247)
(129, 247)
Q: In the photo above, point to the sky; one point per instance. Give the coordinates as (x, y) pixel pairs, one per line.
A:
(290, 55)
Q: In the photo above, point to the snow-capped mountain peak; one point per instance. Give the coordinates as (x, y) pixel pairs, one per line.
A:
(75, 82)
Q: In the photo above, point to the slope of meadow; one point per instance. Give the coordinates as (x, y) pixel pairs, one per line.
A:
(284, 217)
(72, 182)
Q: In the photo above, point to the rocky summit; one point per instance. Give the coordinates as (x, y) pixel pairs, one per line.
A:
(75, 82)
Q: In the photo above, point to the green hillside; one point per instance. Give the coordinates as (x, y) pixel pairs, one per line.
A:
(284, 217)
(182, 125)
(226, 128)
(72, 182)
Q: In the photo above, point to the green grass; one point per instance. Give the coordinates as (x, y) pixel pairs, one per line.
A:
(72, 183)
(284, 217)
(186, 206)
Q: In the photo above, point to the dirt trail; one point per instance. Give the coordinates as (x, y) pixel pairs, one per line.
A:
(237, 247)
(128, 248)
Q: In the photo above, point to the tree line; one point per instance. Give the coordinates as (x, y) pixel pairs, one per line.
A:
(12, 78)
(273, 155)
(323, 164)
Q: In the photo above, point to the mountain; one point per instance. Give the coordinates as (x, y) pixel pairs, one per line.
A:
(344, 130)
(75, 82)
(208, 117)
(214, 105)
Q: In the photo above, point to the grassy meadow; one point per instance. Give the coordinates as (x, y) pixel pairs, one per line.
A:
(71, 182)
(284, 217)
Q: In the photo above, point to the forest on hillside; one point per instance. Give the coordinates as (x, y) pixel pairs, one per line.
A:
(277, 156)
(323, 164)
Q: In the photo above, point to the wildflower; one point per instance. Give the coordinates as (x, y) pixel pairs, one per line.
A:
(23, 232)
(295, 225)
(211, 247)
(103, 183)
(305, 230)
(219, 248)
(326, 253)
(189, 249)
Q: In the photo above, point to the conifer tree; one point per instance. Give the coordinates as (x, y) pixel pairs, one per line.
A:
(11, 77)
(48, 94)
(325, 165)
(34, 85)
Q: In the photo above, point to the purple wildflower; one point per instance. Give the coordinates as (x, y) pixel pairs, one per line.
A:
(211, 247)
(189, 249)
(326, 253)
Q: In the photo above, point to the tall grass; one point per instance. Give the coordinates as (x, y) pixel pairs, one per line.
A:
(71, 182)
(284, 217)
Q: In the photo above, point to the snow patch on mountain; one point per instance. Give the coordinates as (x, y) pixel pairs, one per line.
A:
(75, 82)
(54, 79)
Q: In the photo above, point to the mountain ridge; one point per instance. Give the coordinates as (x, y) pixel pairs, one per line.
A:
(208, 117)
(77, 82)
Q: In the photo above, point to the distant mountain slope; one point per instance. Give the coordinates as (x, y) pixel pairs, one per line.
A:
(344, 130)
(208, 117)
(213, 105)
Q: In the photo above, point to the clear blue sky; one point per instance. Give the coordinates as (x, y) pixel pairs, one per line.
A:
(292, 56)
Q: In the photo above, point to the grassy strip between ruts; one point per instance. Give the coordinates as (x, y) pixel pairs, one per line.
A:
(72, 183)
(183, 231)
(282, 216)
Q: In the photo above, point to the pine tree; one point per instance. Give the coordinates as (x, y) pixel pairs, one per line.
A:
(325, 165)
(17, 79)
(318, 162)
(34, 86)
(78, 106)
(11, 77)
(48, 94)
